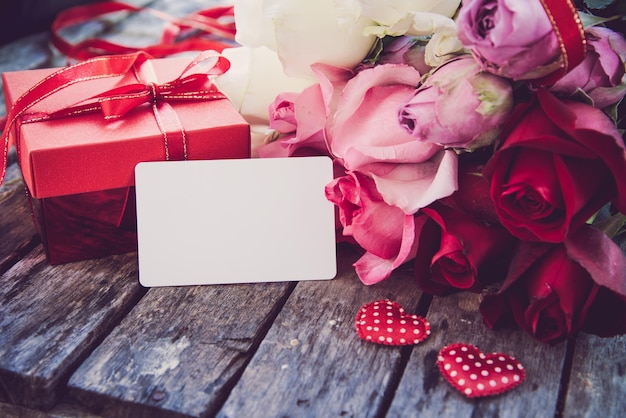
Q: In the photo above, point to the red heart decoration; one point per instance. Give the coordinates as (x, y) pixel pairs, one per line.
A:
(385, 322)
(476, 374)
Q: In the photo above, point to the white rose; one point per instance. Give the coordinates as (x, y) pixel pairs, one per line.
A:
(399, 17)
(443, 45)
(254, 80)
(303, 32)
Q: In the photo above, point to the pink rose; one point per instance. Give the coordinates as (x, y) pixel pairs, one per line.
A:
(363, 133)
(458, 105)
(302, 116)
(385, 232)
(601, 74)
(510, 38)
(554, 291)
(282, 113)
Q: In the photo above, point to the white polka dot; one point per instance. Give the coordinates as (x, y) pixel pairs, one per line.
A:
(482, 356)
(501, 358)
(369, 328)
(463, 348)
(416, 322)
(369, 337)
(389, 313)
(509, 367)
(473, 376)
(498, 369)
(381, 338)
(489, 361)
(516, 377)
(519, 366)
(389, 339)
(458, 359)
(453, 373)
(377, 321)
(480, 386)
(492, 383)
(402, 321)
(402, 340)
(447, 366)
(468, 391)
(403, 330)
(461, 382)
(452, 352)
(376, 329)
(375, 314)
(416, 331)
(390, 321)
(478, 364)
(484, 373)
(470, 356)
(416, 341)
(465, 367)
(505, 379)
(389, 329)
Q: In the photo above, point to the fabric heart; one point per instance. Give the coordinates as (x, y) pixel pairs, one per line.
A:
(476, 374)
(385, 322)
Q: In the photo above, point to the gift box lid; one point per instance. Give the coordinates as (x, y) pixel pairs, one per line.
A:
(86, 152)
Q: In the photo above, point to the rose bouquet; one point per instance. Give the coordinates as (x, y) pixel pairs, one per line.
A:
(476, 142)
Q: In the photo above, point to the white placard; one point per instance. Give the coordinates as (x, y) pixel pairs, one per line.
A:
(234, 221)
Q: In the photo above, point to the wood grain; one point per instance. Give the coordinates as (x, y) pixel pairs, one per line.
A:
(597, 381)
(179, 352)
(312, 362)
(52, 317)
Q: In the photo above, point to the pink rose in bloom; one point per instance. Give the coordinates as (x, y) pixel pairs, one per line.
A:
(459, 105)
(601, 74)
(510, 38)
(560, 162)
(552, 293)
(456, 251)
(364, 134)
(384, 231)
(303, 116)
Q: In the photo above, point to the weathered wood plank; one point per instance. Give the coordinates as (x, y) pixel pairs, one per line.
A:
(179, 352)
(424, 392)
(597, 384)
(52, 317)
(17, 228)
(312, 362)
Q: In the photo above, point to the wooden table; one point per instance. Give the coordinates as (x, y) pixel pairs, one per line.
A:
(85, 339)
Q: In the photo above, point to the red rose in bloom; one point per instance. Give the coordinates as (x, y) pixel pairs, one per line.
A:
(457, 251)
(554, 291)
(560, 162)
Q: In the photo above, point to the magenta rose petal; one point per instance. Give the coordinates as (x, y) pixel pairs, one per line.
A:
(600, 256)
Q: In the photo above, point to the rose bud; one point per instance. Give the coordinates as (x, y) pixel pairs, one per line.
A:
(458, 105)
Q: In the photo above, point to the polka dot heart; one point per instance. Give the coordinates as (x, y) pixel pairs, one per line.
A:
(476, 374)
(385, 322)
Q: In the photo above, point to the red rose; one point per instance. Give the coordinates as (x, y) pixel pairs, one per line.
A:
(553, 291)
(560, 162)
(457, 251)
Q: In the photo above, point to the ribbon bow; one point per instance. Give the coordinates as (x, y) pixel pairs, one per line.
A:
(194, 83)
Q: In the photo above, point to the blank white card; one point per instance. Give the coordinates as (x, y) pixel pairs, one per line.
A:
(234, 221)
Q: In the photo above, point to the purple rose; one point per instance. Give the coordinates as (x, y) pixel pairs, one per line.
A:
(510, 38)
(458, 105)
(601, 74)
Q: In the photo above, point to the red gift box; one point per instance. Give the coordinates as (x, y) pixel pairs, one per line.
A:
(84, 128)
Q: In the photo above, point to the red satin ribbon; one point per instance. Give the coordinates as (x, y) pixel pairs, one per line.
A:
(218, 21)
(194, 83)
(570, 34)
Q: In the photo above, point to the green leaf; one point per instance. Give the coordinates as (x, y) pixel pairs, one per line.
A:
(598, 4)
